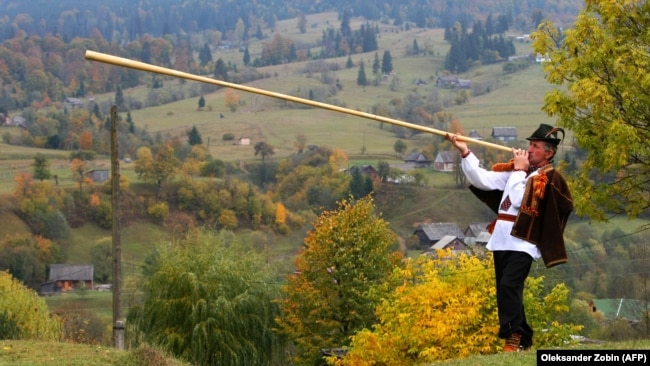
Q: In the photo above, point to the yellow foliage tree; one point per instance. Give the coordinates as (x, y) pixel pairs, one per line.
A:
(25, 315)
(444, 310)
(338, 159)
(231, 99)
(342, 273)
(280, 214)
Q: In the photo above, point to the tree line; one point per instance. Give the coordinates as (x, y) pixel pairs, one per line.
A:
(125, 21)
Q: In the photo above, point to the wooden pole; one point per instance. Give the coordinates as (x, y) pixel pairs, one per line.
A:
(118, 324)
(132, 64)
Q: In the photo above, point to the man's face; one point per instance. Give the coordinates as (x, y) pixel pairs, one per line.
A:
(537, 155)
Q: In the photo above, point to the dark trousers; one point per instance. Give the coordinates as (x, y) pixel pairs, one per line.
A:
(511, 269)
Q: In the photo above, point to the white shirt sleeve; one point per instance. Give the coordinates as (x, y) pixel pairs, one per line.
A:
(483, 179)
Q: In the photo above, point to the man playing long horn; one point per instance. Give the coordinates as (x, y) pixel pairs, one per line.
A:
(533, 203)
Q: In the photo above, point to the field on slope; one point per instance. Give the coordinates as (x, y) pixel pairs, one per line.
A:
(262, 118)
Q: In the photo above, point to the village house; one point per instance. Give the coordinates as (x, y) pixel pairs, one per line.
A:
(429, 234)
(504, 133)
(453, 82)
(72, 103)
(245, 141)
(417, 160)
(476, 234)
(445, 161)
(66, 277)
(475, 135)
(98, 175)
(365, 170)
(451, 242)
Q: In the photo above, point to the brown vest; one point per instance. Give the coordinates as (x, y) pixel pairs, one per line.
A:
(545, 210)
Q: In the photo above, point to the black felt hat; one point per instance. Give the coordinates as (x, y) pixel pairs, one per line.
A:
(548, 134)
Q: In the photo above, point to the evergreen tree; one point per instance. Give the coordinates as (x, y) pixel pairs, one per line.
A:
(220, 70)
(119, 97)
(349, 63)
(346, 31)
(201, 102)
(376, 65)
(129, 121)
(416, 48)
(96, 111)
(361, 76)
(387, 63)
(194, 137)
(357, 184)
(247, 57)
(205, 55)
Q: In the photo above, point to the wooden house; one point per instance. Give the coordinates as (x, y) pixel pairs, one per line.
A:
(451, 242)
(98, 175)
(417, 160)
(475, 228)
(66, 277)
(71, 103)
(504, 133)
(429, 234)
(365, 170)
(475, 135)
(445, 161)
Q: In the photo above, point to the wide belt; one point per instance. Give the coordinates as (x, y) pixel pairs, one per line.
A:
(506, 217)
(502, 217)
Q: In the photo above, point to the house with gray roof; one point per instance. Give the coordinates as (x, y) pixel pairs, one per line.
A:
(417, 160)
(504, 133)
(445, 161)
(429, 234)
(66, 277)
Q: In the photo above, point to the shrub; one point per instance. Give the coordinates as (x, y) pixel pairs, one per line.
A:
(23, 314)
(158, 211)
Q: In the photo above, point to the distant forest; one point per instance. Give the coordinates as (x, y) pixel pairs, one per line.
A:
(127, 20)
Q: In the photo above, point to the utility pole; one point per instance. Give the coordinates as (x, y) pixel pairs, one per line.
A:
(118, 323)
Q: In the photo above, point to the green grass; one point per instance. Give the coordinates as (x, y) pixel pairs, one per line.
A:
(33, 353)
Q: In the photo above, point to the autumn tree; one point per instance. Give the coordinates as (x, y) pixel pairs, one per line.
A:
(601, 67)
(209, 300)
(27, 257)
(231, 99)
(86, 140)
(78, 169)
(25, 315)
(451, 314)
(159, 168)
(41, 167)
(341, 274)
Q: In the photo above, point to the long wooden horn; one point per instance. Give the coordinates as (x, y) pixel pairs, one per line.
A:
(132, 64)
